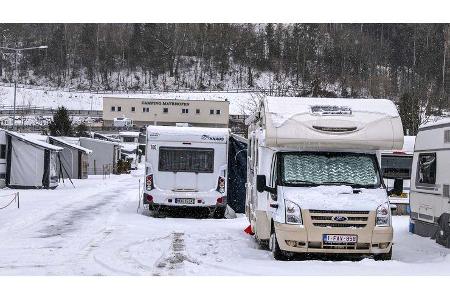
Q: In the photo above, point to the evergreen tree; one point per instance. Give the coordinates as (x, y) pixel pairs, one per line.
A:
(81, 130)
(61, 124)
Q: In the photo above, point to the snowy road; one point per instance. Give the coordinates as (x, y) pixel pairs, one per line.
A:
(94, 229)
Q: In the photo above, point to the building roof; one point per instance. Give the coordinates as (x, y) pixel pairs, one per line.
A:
(100, 141)
(70, 145)
(33, 141)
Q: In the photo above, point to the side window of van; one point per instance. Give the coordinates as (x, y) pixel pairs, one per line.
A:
(426, 168)
(273, 172)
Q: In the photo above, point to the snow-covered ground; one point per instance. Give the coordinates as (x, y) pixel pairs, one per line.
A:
(94, 229)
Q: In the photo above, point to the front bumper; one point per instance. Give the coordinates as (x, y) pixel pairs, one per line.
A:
(309, 238)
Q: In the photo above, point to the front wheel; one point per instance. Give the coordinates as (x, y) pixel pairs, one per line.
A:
(277, 253)
(384, 256)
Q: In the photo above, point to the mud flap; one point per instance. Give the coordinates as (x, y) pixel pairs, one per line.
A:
(443, 235)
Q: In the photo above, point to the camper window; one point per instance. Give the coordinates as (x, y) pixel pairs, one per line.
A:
(2, 151)
(329, 168)
(426, 168)
(396, 166)
(179, 159)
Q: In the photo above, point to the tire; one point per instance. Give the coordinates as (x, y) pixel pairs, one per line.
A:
(384, 256)
(219, 213)
(277, 253)
(263, 244)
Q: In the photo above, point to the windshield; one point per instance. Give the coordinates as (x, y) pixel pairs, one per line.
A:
(329, 168)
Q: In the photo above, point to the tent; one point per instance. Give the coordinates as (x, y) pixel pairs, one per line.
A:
(73, 158)
(104, 157)
(237, 173)
(30, 163)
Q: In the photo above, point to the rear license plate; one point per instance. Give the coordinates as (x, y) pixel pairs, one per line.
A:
(184, 200)
(340, 239)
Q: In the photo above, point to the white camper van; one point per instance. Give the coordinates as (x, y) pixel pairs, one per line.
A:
(430, 183)
(313, 182)
(186, 167)
(396, 166)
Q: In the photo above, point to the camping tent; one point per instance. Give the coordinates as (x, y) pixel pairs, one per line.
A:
(30, 163)
(73, 158)
(104, 157)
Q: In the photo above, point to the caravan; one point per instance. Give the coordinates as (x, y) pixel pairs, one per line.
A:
(430, 183)
(186, 167)
(313, 182)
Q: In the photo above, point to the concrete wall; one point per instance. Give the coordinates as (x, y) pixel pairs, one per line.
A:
(174, 114)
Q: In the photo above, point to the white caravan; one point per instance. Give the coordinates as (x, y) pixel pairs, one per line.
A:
(186, 167)
(313, 182)
(123, 122)
(430, 183)
(396, 167)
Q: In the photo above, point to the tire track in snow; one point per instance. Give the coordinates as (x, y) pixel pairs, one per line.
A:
(172, 261)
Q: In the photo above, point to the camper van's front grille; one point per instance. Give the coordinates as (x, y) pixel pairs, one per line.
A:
(339, 218)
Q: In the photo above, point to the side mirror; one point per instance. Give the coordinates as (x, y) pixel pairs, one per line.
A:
(398, 187)
(261, 183)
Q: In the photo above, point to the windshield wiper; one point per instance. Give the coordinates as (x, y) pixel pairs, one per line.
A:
(343, 183)
(302, 181)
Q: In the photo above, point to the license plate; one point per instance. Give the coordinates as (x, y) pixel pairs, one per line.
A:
(340, 239)
(184, 200)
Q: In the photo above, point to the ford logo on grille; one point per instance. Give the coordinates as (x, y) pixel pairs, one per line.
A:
(340, 218)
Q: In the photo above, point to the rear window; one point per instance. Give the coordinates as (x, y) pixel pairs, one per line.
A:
(178, 159)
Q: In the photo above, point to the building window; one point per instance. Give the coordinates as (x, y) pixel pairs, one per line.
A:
(197, 111)
(165, 110)
(217, 111)
(113, 108)
(2, 151)
(211, 111)
(133, 109)
(146, 109)
(119, 108)
(426, 168)
(184, 110)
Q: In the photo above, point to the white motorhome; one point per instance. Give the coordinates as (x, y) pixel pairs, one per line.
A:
(313, 182)
(186, 167)
(123, 122)
(430, 183)
(396, 166)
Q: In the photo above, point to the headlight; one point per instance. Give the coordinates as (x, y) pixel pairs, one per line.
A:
(293, 213)
(383, 215)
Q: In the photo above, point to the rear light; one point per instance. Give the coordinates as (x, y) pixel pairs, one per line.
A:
(149, 198)
(149, 183)
(221, 185)
(220, 200)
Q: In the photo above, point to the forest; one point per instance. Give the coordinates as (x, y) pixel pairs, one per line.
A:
(408, 63)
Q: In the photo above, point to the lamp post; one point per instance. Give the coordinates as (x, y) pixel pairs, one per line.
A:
(16, 50)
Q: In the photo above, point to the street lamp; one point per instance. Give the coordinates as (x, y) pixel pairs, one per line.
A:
(16, 73)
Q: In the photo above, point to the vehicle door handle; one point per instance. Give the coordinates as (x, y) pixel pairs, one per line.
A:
(274, 205)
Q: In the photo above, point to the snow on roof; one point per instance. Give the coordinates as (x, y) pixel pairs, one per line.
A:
(179, 130)
(33, 141)
(129, 147)
(100, 141)
(284, 108)
(68, 144)
(129, 133)
(436, 121)
(99, 136)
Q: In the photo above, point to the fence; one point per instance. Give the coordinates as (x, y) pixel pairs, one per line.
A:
(10, 199)
(42, 111)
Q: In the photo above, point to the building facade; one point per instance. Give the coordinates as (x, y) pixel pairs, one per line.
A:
(205, 113)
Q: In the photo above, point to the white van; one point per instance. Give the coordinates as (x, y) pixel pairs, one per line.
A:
(314, 183)
(122, 122)
(430, 183)
(396, 166)
(186, 167)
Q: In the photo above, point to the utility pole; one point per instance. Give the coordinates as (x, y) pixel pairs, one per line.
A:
(16, 74)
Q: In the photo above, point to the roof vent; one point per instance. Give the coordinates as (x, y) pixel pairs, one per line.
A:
(331, 110)
(335, 129)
